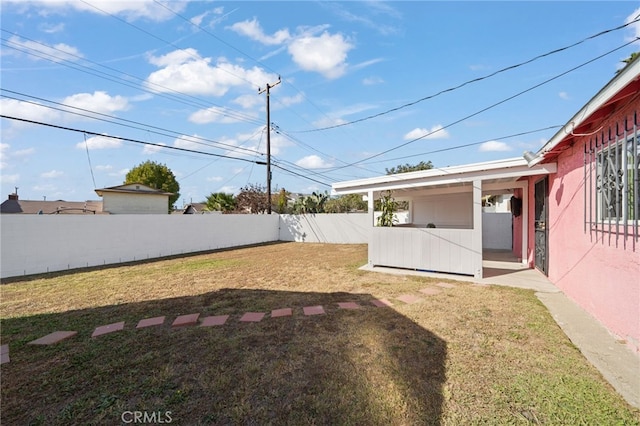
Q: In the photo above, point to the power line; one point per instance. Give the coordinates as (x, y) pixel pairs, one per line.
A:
(475, 80)
(489, 107)
(147, 126)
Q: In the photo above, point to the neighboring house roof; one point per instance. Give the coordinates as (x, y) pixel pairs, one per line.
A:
(622, 89)
(15, 206)
(132, 188)
(195, 208)
(499, 172)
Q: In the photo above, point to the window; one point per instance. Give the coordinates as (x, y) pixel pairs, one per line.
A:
(616, 181)
(612, 184)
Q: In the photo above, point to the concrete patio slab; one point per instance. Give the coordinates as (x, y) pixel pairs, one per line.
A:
(109, 328)
(381, 303)
(4, 354)
(214, 320)
(54, 337)
(252, 317)
(284, 312)
(185, 320)
(150, 322)
(349, 305)
(313, 310)
(430, 291)
(409, 299)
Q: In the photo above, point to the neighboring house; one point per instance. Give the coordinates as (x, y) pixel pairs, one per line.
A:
(134, 198)
(197, 208)
(13, 205)
(576, 210)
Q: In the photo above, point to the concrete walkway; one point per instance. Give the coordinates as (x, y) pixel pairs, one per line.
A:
(617, 363)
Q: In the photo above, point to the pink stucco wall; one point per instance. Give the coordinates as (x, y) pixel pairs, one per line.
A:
(599, 271)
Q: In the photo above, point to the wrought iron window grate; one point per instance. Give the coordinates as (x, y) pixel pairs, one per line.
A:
(612, 182)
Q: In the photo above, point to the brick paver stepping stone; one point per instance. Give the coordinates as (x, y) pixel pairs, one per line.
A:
(430, 291)
(381, 303)
(284, 312)
(348, 305)
(214, 320)
(185, 320)
(446, 285)
(313, 310)
(409, 298)
(252, 317)
(54, 337)
(109, 328)
(150, 322)
(4, 354)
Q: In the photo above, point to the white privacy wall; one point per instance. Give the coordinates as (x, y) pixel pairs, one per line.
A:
(497, 232)
(334, 228)
(40, 243)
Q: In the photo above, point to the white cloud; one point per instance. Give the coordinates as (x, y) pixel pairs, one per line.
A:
(51, 28)
(100, 142)
(634, 28)
(98, 101)
(248, 101)
(24, 152)
(287, 101)
(121, 172)
(187, 72)
(564, 96)
(41, 51)
(325, 54)
(228, 189)
(27, 111)
(52, 174)
(131, 10)
(214, 179)
(371, 81)
(494, 146)
(436, 132)
(188, 142)
(9, 179)
(313, 162)
(214, 115)
(152, 149)
(254, 31)
(104, 168)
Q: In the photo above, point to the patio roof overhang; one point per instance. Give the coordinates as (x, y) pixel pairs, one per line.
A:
(495, 175)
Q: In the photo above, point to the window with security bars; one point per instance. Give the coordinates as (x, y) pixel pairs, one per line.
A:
(612, 181)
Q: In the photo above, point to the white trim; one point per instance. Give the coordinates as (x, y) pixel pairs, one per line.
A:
(512, 168)
(626, 76)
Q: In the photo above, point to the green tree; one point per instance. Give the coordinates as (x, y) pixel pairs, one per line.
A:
(281, 201)
(388, 207)
(313, 203)
(157, 176)
(221, 202)
(252, 199)
(404, 168)
(345, 204)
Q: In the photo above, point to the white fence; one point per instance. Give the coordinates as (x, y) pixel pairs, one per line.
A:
(342, 228)
(31, 244)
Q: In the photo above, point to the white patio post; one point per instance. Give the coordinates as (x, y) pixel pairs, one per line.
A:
(525, 224)
(370, 208)
(476, 243)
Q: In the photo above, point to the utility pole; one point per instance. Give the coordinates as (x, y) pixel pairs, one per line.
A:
(261, 91)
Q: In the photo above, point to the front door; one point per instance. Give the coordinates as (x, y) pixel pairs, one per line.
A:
(541, 226)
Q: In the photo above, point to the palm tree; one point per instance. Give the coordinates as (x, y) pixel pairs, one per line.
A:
(219, 201)
(630, 59)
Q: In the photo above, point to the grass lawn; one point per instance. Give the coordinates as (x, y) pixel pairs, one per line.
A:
(467, 355)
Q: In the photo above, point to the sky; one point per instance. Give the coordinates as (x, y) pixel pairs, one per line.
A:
(97, 87)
